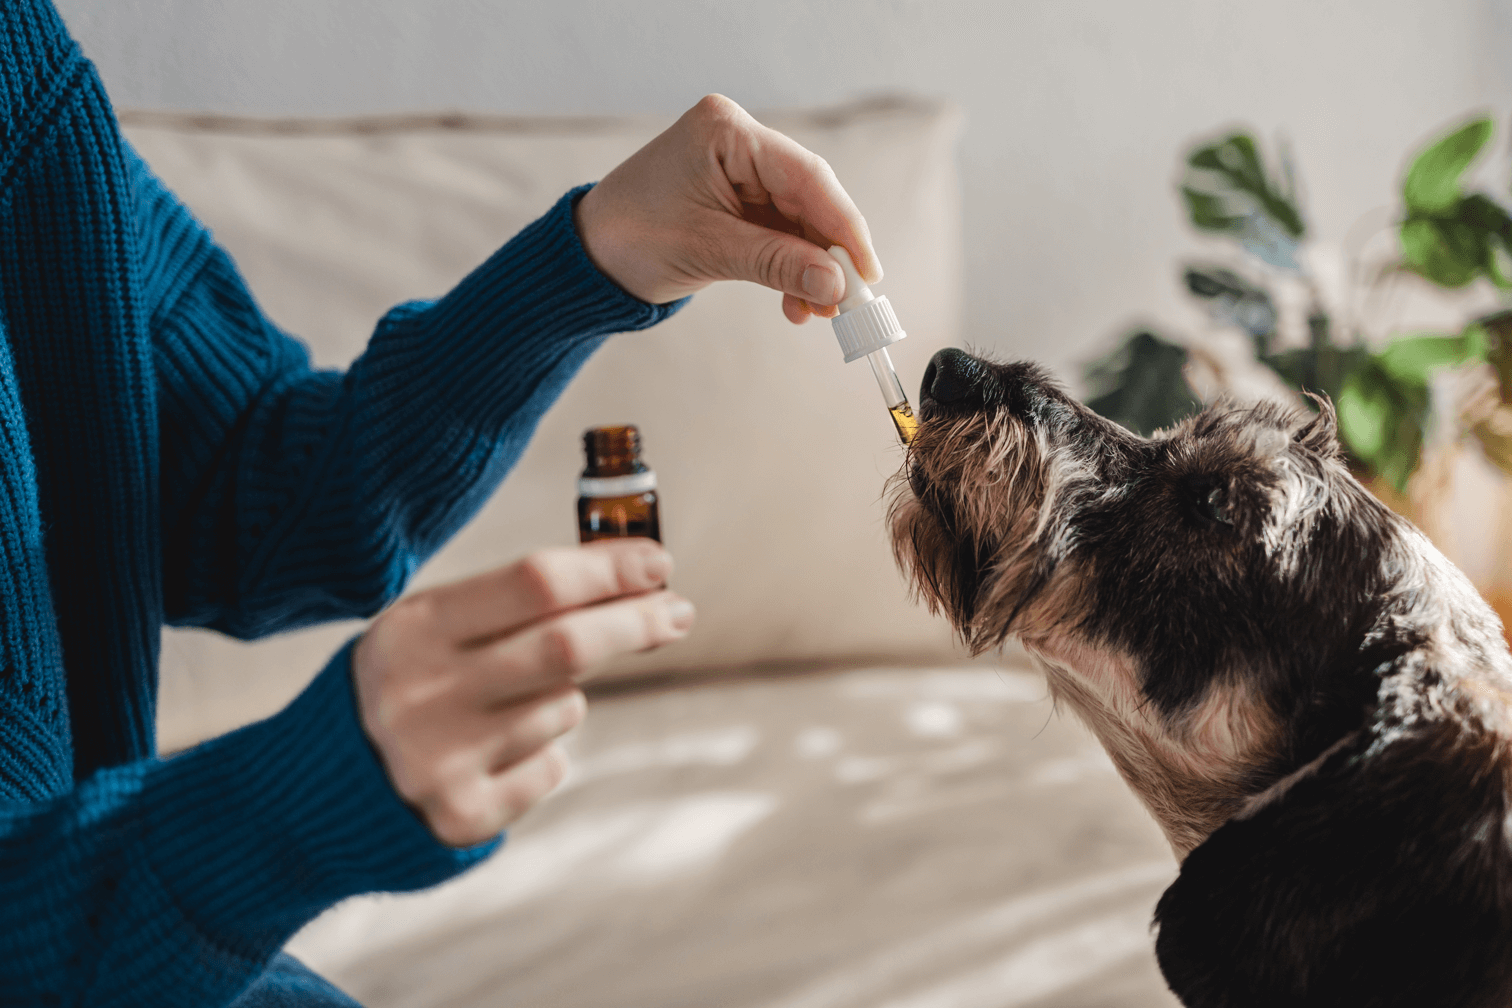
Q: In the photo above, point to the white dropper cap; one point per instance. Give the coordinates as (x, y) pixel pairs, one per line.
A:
(866, 323)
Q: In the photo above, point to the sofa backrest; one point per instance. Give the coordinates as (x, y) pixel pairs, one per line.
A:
(772, 453)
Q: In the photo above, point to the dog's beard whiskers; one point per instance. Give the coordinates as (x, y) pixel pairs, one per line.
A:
(1011, 443)
(969, 501)
(917, 538)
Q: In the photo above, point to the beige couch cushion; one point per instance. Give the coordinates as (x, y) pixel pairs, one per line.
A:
(772, 453)
(878, 838)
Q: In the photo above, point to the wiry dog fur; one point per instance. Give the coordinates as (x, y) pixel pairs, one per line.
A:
(1308, 697)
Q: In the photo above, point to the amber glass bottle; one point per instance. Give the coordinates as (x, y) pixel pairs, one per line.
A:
(616, 493)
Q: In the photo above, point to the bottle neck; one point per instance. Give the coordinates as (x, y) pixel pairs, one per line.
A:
(612, 451)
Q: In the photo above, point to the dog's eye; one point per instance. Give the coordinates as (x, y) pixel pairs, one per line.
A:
(1215, 506)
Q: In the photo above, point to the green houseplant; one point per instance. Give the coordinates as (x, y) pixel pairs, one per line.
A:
(1447, 236)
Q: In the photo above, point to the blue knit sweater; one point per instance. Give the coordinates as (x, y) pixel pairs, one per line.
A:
(167, 455)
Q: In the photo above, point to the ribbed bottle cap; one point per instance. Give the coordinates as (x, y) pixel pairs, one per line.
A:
(612, 451)
(865, 324)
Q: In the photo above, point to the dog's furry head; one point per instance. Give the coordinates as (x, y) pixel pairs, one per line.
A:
(1250, 633)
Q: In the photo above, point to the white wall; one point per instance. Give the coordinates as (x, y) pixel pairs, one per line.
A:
(1077, 109)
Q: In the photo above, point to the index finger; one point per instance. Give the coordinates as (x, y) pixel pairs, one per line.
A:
(804, 188)
(473, 612)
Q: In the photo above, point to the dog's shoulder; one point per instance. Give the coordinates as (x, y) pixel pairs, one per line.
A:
(1381, 876)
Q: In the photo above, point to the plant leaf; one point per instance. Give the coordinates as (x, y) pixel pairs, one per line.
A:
(1384, 401)
(1448, 252)
(1364, 415)
(1207, 211)
(1318, 369)
(1381, 421)
(1483, 214)
(1227, 189)
(1498, 329)
(1141, 384)
(1496, 267)
(1232, 300)
(1494, 225)
(1432, 183)
(1413, 359)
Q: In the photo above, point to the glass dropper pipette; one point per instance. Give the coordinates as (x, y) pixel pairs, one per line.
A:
(892, 393)
(865, 327)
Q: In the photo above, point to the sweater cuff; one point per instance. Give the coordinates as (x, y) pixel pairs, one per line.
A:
(564, 212)
(514, 329)
(281, 819)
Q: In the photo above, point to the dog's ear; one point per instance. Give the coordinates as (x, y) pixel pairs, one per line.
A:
(1321, 433)
(1381, 878)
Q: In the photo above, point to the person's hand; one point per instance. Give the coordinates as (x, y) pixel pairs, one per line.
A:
(464, 689)
(718, 196)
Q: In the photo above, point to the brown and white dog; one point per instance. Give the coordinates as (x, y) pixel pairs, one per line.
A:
(1314, 704)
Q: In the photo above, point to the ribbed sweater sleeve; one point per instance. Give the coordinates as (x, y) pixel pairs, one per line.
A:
(172, 882)
(292, 496)
(166, 452)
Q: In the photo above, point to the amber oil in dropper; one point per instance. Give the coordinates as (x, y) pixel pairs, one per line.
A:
(892, 393)
(617, 491)
(904, 420)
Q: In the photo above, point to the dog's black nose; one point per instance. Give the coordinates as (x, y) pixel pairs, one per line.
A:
(953, 376)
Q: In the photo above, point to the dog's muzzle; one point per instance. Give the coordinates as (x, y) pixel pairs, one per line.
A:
(954, 379)
(955, 384)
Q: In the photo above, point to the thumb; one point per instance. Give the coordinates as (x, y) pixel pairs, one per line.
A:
(783, 262)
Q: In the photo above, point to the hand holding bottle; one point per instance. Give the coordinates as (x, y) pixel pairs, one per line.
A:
(718, 196)
(463, 689)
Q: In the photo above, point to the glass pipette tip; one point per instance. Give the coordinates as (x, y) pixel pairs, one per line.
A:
(892, 393)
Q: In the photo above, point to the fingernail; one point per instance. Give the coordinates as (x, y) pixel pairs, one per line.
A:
(570, 709)
(680, 613)
(822, 284)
